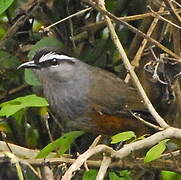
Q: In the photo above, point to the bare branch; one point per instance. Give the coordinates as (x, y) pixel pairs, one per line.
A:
(104, 166)
(83, 157)
(164, 19)
(129, 68)
(149, 141)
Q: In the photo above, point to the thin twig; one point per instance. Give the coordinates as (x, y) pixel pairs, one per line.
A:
(145, 122)
(73, 15)
(13, 91)
(174, 160)
(45, 120)
(71, 26)
(164, 19)
(94, 144)
(179, 5)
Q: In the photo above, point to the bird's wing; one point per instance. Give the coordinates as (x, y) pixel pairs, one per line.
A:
(110, 93)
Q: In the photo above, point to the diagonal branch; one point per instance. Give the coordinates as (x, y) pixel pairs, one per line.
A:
(147, 142)
(129, 68)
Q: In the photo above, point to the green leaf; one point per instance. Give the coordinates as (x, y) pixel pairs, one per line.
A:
(31, 136)
(120, 175)
(9, 110)
(7, 60)
(45, 42)
(30, 78)
(19, 116)
(113, 176)
(111, 5)
(124, 136)
(5, 127)
(4, 4)
(169, 175)
(11, 107)
(156, 151)
(141, 137)
(90, 175)
(3, 31)
(61, 145)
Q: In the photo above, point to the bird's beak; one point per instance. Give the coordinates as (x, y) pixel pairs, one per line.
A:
(30, 64)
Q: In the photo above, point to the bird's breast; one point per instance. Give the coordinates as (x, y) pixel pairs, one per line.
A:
(68, 100)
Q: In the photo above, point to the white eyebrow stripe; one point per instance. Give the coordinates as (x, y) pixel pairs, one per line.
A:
(52, 55)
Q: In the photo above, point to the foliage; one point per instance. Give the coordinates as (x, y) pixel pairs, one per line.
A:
(60, 145)
(9, 75)
(124, 136)
(4, 4)
(120, 175)
(9, 108)
(168, 175)
(156, 151)
(30, 78)
(90, 175)
(44, 42)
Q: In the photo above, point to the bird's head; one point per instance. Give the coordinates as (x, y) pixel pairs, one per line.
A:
(51, 63)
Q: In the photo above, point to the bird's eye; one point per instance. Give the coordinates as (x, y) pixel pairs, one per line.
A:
(54, 62)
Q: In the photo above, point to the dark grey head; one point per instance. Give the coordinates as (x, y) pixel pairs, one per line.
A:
(51, 63)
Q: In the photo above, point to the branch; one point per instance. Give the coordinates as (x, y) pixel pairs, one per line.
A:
(161, 164)
(13, 91)
(125, 151)
(83, 157)
(149, 141)
(18, 150)
(104, 166)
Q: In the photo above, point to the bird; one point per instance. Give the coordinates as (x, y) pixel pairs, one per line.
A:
(86, 97)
